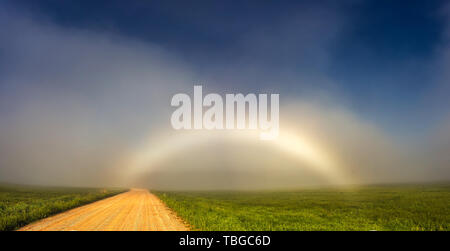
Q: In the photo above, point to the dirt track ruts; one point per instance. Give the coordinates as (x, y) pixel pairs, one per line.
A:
(135, 210)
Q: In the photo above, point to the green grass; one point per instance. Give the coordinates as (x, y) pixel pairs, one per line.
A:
(406, 207)
(20, 205)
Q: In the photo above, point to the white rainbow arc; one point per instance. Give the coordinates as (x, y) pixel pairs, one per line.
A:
(292, 143)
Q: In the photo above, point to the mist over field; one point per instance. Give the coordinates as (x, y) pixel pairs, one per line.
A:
(91, 107)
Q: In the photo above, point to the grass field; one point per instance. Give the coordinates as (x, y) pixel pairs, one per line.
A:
(406, 207)
(20, 205)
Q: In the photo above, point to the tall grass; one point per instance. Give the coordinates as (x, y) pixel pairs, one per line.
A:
(20, 205)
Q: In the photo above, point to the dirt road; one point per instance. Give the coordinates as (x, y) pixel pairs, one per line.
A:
(134, 210)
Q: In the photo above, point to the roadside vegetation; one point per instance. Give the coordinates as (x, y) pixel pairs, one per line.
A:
(402, 207)
(21, 205)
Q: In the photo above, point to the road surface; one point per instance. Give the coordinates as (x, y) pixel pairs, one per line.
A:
(135, 210)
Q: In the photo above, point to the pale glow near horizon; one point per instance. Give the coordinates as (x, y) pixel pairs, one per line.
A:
(303, 150)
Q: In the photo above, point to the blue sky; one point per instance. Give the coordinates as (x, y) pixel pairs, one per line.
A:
(379, 54)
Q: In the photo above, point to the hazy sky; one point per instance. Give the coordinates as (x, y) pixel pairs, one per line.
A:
(85, 88)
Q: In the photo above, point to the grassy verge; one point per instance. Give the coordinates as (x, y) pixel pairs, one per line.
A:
(21, 205)
(419, 207)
